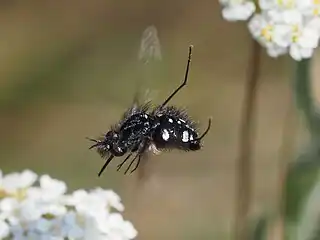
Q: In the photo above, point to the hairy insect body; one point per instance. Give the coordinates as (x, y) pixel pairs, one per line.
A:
(143, 128)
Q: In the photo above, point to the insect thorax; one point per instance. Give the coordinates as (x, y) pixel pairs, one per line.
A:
(134, 129)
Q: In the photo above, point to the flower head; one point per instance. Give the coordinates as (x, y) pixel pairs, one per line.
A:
(46, 211)
(283, 26)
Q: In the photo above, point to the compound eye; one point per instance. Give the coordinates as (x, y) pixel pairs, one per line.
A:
(109, 134)
(118, 151)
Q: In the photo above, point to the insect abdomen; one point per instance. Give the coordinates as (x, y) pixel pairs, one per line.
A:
(172, 133)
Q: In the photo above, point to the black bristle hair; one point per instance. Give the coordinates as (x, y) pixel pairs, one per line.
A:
(177, 112)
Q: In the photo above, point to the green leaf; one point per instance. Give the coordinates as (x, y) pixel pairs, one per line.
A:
(301, 177)
(310, 215)
(260, 228)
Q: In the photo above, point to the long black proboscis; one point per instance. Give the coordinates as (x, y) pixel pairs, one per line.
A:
(105, 165)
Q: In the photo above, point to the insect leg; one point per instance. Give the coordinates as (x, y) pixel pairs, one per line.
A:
(135, 157)
(184, 82)
(137, 165)
(105, 165)
(121, 164)
(141, 151)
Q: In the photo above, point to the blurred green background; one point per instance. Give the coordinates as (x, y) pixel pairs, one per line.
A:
(70, 68)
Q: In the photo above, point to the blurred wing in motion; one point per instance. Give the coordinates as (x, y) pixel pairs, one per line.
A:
(150, 48)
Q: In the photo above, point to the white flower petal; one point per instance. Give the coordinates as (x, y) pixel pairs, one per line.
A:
(15, 181)
(28, 178)
(29, 211)
(43, 225)
(59, 187)
(8, 204)
(295, 52)
(292, 17)
(75, 232)
(306, 52)
(112, 199)
(282, 35)
(75, 198)
(276, 51)
(236, 12)
(129, 231)
(309, 38)
(17, 231)
(313, 23)
(34, 193)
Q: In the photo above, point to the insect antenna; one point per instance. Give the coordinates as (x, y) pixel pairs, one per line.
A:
(205, 132)
(184, 82)
(105, 165)
(93, 140)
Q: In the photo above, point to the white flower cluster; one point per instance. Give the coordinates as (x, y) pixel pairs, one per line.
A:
(38, 208)
(281, 26)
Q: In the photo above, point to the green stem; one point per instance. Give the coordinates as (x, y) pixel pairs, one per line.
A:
(244, 161)
(303, 95)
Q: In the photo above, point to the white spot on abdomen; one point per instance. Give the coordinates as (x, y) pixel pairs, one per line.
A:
(185, 136)
(170, 120)
(165, 135)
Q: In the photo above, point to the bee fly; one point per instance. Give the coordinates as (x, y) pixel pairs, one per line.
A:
(143, 128)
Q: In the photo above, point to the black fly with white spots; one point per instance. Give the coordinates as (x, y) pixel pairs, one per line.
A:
(143, 129)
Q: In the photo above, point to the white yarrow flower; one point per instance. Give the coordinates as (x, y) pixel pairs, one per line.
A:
(265, 32)
(305, 40)
(46, 212)
(286, 26)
